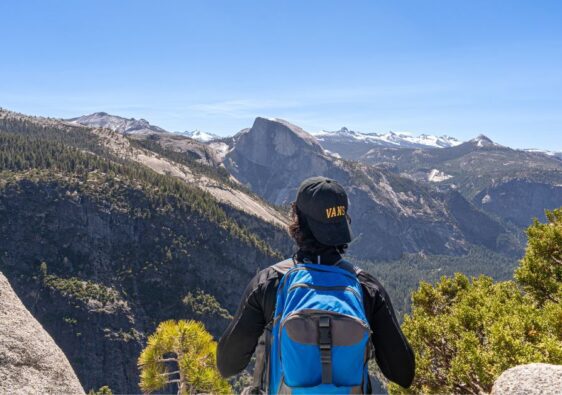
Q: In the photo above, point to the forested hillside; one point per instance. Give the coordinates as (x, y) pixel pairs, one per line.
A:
(101, 250)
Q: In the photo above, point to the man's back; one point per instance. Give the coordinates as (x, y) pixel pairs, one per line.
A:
(256, 311)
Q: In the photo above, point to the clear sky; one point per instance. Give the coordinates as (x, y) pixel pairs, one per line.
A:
(444, 67)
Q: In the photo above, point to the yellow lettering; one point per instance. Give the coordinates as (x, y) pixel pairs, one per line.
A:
(337, 211)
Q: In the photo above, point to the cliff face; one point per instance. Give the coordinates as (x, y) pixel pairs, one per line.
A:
(519, 200)
(272, 156)
(391, 215)
(30, 361)
(101, 269)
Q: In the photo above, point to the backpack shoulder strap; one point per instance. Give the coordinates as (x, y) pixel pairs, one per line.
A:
(284, 266)
(349, 267)
(263, 349)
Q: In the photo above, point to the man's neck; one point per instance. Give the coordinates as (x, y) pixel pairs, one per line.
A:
(329, 256)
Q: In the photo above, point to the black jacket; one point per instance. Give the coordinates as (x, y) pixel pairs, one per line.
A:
(392, 351)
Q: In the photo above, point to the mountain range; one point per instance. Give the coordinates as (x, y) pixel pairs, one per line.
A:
(110, 225)
(351, 144)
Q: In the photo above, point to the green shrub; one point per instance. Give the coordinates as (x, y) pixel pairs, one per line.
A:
(466, 332)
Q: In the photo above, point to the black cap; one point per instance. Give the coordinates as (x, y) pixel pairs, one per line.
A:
(324, 204)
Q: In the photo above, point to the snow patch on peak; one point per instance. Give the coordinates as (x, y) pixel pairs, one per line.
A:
(199, 135)
(437, 176)
(390, 139)
(545, 152)
(333, 154)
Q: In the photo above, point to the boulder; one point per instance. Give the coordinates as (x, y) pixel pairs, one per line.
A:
(30, 361)
(534, 378)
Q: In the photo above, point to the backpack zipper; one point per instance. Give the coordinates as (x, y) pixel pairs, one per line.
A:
(327, 288)
(296, 269)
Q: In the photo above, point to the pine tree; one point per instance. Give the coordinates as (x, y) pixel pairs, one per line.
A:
(540, 272)
(188, 347)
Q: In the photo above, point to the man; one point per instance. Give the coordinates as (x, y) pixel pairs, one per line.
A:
(321, 229)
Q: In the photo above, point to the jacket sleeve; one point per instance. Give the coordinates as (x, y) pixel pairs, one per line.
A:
(393, 354)
(239, 341)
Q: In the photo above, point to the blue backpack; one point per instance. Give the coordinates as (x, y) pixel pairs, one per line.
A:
(320, 337)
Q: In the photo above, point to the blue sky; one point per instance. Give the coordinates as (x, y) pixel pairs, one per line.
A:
(444, 67)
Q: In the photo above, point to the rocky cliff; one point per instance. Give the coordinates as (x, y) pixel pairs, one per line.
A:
(30, 361)
(520, 200)
(514, 185)
(391, 215)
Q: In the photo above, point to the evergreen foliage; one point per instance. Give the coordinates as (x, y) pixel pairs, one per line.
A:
(72, 135)
(105, 390)
(191, 350)
(466, 332)
(401, 277)
(204, 304)
(24, 153)
(82, 290)
(540, 272)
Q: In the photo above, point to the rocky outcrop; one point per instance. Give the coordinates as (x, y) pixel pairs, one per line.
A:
(531, 379)
(30, 361)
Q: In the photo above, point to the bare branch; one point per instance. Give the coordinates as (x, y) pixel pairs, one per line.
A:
(168, 360)
(170, 373)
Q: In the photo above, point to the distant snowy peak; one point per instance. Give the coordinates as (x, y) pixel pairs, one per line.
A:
(204, 137)
(116, 123)
(390, 139)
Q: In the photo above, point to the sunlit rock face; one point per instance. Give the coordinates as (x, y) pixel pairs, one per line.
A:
(30, 361)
